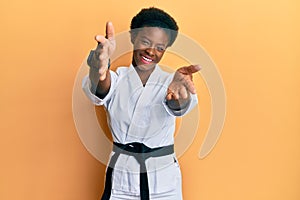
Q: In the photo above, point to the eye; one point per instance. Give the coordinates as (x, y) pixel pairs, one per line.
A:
(145, 42)
(160, 48)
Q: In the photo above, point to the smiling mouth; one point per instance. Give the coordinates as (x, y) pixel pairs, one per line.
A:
(146, 60)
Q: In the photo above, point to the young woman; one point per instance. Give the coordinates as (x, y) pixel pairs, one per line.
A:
(142, 102)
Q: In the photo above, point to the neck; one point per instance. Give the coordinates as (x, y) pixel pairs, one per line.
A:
(144, 74)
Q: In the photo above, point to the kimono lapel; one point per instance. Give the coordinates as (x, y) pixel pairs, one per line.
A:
(143, 101)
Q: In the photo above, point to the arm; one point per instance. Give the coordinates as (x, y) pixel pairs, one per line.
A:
(99, 62)
(99, 87)
(179, 90)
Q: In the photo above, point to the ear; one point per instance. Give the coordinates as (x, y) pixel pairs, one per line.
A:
(132, 36)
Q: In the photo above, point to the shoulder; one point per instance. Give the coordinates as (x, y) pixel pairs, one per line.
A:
(164, 76)
(122, 69)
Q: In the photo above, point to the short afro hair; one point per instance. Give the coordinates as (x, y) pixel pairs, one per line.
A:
(155, 17)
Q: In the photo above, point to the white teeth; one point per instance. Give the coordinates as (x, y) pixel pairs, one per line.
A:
(147, 59)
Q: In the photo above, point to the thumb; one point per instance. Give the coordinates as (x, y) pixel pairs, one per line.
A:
(110, 31)
(190, 69)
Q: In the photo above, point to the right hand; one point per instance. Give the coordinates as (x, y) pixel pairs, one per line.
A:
(182, 83)
(106, 46)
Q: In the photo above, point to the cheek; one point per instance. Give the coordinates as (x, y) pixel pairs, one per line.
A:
(136, 46)
(135, 53)
(160, 55)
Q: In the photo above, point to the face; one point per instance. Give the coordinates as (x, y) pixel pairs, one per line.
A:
(149, 44)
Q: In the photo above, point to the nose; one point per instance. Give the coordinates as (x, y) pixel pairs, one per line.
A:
(150, 51)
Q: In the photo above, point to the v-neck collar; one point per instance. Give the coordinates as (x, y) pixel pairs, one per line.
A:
(151, 77)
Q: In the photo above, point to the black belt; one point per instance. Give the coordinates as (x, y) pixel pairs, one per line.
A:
(141, 153)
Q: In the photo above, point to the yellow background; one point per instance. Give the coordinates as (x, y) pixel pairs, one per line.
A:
(255, 45)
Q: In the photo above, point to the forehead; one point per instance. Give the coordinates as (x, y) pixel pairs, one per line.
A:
(155, 34)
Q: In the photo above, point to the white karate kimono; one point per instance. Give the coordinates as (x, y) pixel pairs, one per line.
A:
(140, 114)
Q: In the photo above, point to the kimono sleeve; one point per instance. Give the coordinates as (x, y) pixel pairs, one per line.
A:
(86, 86)
(191, 104)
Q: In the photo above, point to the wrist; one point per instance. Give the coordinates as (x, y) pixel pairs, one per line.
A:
(179, 104)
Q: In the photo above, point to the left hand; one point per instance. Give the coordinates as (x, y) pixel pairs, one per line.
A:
(182, 83)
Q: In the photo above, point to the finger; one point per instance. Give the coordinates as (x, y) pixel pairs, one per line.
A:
(175, 95)
(169, 96)
(103, 56)
(183, 94)
(193, 68)
(190, 69)
(190, 86)
(103, 77)
(100, 39)
(102, 72)
(110, 31)
(103, 65)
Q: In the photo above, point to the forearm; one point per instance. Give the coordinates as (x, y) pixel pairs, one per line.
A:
(99, 87)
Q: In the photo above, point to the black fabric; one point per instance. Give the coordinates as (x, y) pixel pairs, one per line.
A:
(141, 153)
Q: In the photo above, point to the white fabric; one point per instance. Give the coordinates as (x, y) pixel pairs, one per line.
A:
(140, 114)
